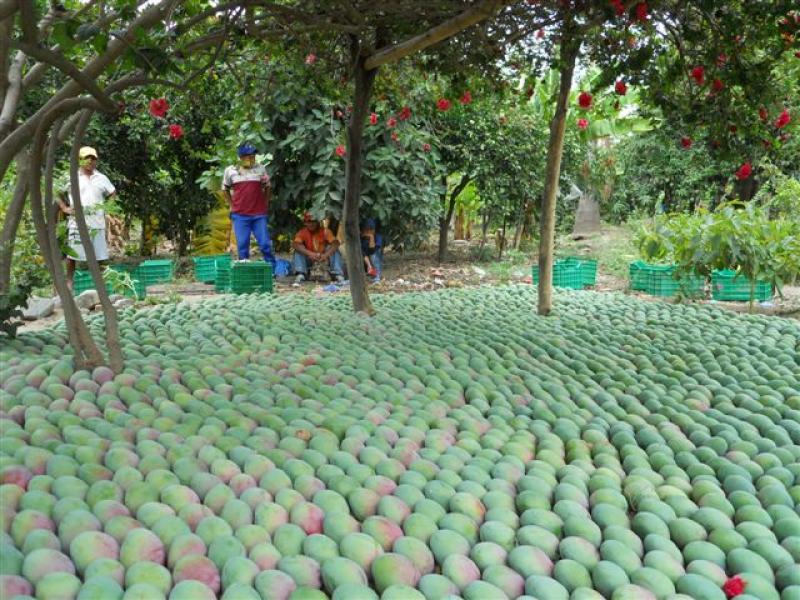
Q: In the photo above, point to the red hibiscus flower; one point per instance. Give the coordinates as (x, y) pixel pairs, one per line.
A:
(686, 142)
(466, 98)
(392, 122)
(735, 585)
(621, 88)
(783, 119)
(619, 8)
(395, 137)
(340, 150)
(641, 11)
(743, 173)
(717, 85)
(585, 100)
(763, 114)
(175, 132)
(699, 75)
(311, 59)
(443, 104)
(404, 114)
(583, 124)
(373, 119)
(426, 147)
(159, 107)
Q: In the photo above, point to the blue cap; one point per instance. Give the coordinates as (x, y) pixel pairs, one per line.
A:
(246, 149)
(369, 224)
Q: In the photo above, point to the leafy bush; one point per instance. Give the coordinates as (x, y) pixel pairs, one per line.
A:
(10, 309)
(738, 236)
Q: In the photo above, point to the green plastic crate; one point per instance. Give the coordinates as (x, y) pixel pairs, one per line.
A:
(250, 277)
(155, 271)
(662, 281)
(727, 285)
(637, 274)
(222, 283)
(205, 267)
(83, 281)
(565, 275)
(588, 267)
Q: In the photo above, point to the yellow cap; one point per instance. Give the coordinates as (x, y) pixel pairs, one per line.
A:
(87, 151)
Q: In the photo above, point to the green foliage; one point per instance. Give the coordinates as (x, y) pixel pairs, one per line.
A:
(654, 174)
(27, 264)
(155, 175)
(297, 124)
(119, 282)
(10, 309)
(740, 237)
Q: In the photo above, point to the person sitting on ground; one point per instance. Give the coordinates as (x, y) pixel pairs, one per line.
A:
(371, 248)
(315, 244)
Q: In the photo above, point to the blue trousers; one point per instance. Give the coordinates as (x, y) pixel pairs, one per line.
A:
(243, 226)
(302, 264)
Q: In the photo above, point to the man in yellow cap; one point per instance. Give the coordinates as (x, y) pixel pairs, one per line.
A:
(95, 189)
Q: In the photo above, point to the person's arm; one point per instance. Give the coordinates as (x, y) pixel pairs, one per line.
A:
(331, 247)
(63, 205)
(300, 247)
(227, 184)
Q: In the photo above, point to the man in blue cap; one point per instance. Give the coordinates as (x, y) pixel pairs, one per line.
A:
(247, 189)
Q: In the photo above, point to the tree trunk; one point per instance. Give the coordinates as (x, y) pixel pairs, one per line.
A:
(87, 355)
(484, 232)
(115, 359)
(11, 224)
(501, 240)
(519, 224)
(458, 233)
(529, 219)
(555, 147)
(364, 81)
(447, 215)
(443, 222)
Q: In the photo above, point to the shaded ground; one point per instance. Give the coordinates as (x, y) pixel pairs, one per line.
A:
(419, 271)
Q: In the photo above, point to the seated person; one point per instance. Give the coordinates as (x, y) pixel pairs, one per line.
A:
(314, 244)
(371, 248)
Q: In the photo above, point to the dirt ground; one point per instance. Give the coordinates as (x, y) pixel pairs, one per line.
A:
(419, 271)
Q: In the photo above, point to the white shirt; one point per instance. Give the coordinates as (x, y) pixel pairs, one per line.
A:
(95, 188)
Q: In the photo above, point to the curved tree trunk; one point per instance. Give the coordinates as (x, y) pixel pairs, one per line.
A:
(12, 221)
(109, 312)
(364, 81)
(555, 147)
(447, 214)
(87, 354)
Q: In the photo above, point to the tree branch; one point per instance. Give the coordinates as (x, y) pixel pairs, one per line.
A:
(471, 16)
(14, 142)
(62, 64)
(8, 8)
(27, 17)
(5, 47)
